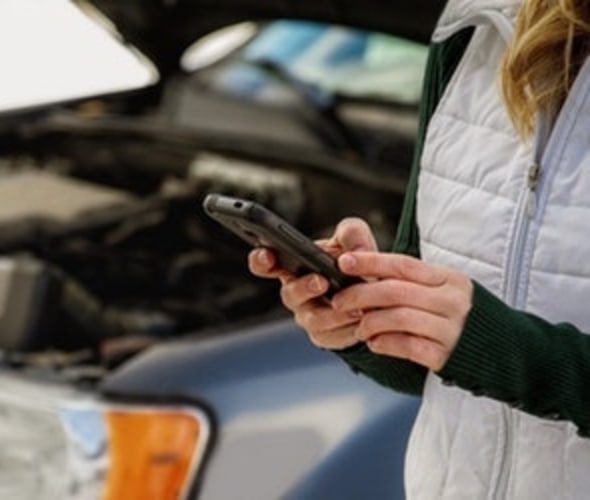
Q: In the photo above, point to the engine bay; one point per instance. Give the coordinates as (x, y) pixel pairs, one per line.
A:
(105, 249)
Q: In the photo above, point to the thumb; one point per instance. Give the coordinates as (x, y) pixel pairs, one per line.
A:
(354, 234)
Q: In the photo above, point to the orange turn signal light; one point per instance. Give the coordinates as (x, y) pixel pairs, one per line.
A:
(152, 454)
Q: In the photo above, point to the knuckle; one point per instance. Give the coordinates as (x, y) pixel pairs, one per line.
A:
(366, 324)
(377, 321)
(350, 297)
(398, 291)
(286, 295)
(363, 328)
(371, 261)
(295, 292)
(297, 317)
(347, 299)
(402, 318)
(409, 266)
(455, 300)
(361, 336)
(459, 302)
(306, 319)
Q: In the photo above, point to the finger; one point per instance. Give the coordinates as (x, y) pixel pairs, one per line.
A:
(329, 247)
(262, 262)
(392, 265)
(316, 317)
(402, 345)
(339, 338)
(297, 291)
(404, 319)
(353, 233)
(326, 328)
(394, 293)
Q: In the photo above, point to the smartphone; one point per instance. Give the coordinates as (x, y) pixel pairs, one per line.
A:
(260, 227)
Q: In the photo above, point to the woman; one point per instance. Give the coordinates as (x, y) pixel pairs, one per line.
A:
(485, 313)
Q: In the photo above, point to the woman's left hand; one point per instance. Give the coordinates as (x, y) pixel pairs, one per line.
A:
(411, 309)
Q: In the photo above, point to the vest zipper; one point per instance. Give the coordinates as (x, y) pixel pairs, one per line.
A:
(534, 174)
(526, 209)
(527, 204)
(505, 465)
(548, 142)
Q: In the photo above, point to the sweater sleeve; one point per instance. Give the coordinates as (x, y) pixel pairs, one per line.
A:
(399, 374)
(523, 360)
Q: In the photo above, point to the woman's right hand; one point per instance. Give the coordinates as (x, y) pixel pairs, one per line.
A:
(326, 328)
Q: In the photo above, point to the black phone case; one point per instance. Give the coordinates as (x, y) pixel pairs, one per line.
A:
(259, 226)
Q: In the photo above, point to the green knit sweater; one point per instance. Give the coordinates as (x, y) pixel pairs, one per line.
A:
(505, 354)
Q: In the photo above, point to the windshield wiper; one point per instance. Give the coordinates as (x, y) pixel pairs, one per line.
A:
(322, 102)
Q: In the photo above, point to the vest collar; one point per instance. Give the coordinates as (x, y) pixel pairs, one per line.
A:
(459, 14)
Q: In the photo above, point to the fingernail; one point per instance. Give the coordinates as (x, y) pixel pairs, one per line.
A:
(347, 261)
(262, 257)
(315, 284)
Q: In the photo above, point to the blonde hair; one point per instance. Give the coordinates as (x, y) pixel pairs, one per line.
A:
(550, 43)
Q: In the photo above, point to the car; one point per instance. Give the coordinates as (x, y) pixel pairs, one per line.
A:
(139, 358)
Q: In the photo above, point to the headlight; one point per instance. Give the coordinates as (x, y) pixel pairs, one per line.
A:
(124, 452)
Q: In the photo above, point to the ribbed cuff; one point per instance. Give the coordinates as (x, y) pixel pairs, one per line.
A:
(397, 374)
(523, 360)
(488, 356)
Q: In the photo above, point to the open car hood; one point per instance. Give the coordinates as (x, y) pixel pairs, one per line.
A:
(163, 29)
(52, 53)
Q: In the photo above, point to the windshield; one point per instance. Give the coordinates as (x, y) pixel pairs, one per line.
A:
(51, 52)
(343, 60)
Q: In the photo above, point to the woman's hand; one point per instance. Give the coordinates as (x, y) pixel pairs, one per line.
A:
(327, 328)
(413, 310)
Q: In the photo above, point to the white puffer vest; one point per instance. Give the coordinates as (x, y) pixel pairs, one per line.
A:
(484, 208)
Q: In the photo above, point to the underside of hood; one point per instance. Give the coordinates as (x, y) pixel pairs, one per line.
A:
(163, 29)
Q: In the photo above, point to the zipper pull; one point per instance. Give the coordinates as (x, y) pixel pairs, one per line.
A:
(533, 175)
